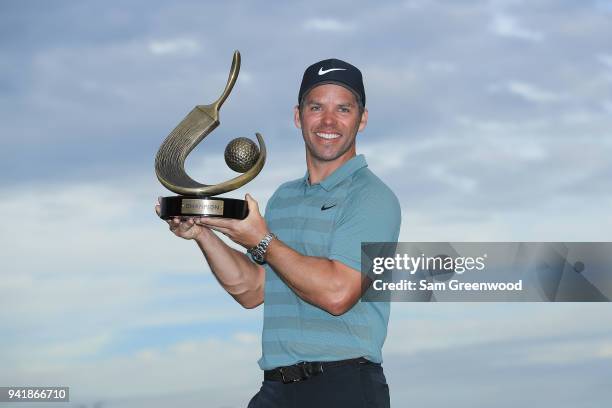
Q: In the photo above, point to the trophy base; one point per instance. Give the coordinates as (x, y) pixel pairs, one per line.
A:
(194, 206)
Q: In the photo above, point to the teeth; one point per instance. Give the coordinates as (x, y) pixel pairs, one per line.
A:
(328, 135)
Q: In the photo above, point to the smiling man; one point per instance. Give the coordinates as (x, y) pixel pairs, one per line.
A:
(321, 346)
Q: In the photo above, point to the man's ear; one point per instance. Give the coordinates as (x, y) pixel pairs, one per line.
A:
(364, 119)
(296, 117)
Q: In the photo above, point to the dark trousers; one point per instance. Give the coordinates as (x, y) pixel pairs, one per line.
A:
(353, 385)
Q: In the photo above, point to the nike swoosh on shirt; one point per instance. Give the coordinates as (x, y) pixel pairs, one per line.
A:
(325, 71)
(323, 207)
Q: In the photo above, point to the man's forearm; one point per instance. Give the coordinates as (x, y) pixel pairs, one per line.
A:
(320, 281)
(326, 283)
(236, 273)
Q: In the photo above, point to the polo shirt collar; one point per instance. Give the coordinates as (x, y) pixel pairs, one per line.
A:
(341, 173)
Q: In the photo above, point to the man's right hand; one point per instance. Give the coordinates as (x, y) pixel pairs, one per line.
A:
(186, 229)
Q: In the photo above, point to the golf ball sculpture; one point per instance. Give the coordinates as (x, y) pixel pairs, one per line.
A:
(241, 154)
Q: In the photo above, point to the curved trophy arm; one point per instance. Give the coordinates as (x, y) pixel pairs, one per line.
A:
(231, 80)
(202, 120)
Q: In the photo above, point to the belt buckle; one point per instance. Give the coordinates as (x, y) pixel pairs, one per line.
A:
(306, 369)
(315, 368)
(310, 369)
(286, 379)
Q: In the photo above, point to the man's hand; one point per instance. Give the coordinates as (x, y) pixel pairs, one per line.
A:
(237, 274)
(247, 232)
(186, 229)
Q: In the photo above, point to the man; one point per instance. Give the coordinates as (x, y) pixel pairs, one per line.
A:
(320, 345)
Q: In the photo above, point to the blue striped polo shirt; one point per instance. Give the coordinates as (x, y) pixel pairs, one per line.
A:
(329, 219)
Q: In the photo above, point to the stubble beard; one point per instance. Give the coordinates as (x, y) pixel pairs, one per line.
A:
(321, 156)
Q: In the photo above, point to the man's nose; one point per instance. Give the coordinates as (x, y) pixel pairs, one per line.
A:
(329, 117)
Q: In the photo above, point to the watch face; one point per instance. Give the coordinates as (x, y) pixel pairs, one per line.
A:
(257, 256)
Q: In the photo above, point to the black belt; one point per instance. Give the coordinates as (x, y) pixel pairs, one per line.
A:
(305, 370)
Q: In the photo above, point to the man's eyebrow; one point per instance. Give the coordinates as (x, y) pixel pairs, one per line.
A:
(343, 104)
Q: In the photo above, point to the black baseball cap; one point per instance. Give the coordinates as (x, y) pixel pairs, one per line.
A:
(333, 71)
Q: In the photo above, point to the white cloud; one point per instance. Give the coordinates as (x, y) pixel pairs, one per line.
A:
(327, 24)
(385, 157)
(245, 77)
(567, 352)
(527, 91)
(606, 351)
(391, 81)
(508, 26)
(184, 46)
(223, 369)
(75, 348)
(477, 125)
(441, 67)
(530, 327)
(247, 338)
(415, 4)
(605, 59)
(532, 93)
(452, 180)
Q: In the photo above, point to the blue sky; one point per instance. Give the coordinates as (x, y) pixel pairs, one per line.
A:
(489, 119)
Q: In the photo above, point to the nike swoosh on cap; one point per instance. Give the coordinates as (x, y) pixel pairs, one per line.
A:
(325, 71)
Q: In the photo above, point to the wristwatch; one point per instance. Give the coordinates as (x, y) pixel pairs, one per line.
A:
(258, 252)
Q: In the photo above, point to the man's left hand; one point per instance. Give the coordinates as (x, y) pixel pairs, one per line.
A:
(247, 232)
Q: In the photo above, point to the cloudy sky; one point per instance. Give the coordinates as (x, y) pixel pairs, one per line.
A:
(491, 120)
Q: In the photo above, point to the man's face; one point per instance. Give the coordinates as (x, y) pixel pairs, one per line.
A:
(330, 120)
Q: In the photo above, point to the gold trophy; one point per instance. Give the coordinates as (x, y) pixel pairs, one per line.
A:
(241, 155)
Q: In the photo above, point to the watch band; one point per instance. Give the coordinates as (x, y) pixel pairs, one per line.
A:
(258, 252)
